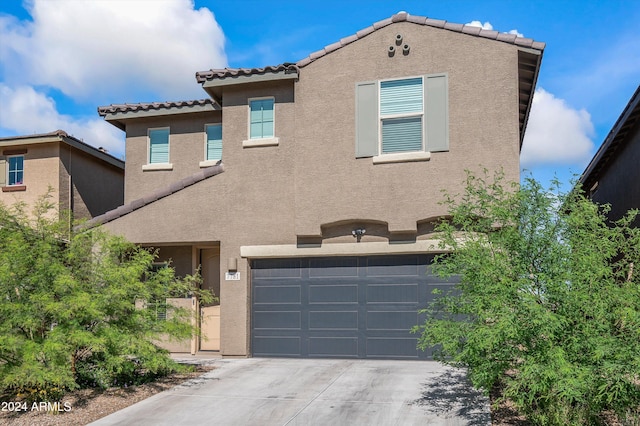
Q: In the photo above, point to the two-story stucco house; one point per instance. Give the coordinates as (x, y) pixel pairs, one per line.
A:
(613, 175)
(82, 179)
(307, 191)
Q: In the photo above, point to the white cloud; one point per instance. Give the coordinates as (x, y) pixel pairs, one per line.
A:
(116, 48)
(487, 26)
(26, 111)
(516, 33)
(556, 133)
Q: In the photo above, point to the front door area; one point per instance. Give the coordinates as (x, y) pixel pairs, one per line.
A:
(210, 315)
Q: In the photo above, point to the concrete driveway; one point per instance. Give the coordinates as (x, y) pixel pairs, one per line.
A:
(259, 391)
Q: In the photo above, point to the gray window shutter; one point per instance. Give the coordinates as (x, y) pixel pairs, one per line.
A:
(367, 119)
(3, 171)
(436, 112)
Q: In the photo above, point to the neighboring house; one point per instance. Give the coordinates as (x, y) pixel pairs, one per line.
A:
(84, 180)
(307, 191)
(613, 175)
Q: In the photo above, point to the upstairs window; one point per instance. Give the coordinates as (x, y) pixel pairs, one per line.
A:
(213, 148)
(261, 118)
(15, 171)
(401, 115)
(159, 146)
(402, 119)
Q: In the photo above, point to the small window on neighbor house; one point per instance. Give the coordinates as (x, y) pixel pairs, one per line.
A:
(158, 146)
(15, 171)
(261, 118)
(213, 148)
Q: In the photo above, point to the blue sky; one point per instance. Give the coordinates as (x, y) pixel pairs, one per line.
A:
(61, 59)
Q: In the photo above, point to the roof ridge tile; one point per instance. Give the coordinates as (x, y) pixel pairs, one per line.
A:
(426, 21)
(145, 106)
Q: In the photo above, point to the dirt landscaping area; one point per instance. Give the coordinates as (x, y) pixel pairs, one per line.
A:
(87, 405)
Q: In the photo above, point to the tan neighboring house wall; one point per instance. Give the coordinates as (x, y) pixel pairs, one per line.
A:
(82, 179)
(307, 189)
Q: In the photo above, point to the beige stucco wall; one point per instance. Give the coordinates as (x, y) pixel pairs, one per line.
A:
(483, 125)
(97, 187)
(41, 171)
(78, 180)
(94, 186)
(186, 151)
(311, 183)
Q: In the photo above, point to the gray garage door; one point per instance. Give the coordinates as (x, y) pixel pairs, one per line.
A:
(346, 307)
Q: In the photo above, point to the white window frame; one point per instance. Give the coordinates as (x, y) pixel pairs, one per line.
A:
(402, 156)
(207, 162)
(8, 160)
(158, 166)
(401, 115)
(257, 142)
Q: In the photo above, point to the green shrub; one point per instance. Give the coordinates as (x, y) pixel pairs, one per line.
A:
(550, 290)
(68, 315)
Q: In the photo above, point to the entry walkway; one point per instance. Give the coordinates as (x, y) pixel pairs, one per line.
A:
(260, 391)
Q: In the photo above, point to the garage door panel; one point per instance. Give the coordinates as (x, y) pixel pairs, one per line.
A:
(384, 266)
(378, 347)
(333, 293)
(278, 319)
(391, 320)
(343, 347)
(277, 268)
(277, 345)
(333, 320)
(333, 267)
(392, 293)
(277, 294)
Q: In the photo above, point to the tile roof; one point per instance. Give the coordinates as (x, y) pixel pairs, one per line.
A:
(203, 76)
(211, 74)
(153, 197)
(115, 108)
(61, 135)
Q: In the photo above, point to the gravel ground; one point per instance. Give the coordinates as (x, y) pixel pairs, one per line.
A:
(87, 405)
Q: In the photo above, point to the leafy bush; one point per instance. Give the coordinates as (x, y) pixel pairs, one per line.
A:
(550, 297)
(68, 314)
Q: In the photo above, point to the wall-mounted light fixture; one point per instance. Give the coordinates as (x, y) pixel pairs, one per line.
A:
(398, 39)
(358, 233)
(232, 264)
(405, 49)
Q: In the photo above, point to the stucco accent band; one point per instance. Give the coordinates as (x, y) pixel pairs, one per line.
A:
(341, 249)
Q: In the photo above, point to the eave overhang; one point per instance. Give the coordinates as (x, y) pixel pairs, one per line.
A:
(214, 80)
(118, 114)
(61, 136)
(614, 142)
(528, 69)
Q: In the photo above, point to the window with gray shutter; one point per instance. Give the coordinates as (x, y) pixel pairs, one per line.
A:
(436, 113)
(402, 115)
(367, 119)
(3, 171)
